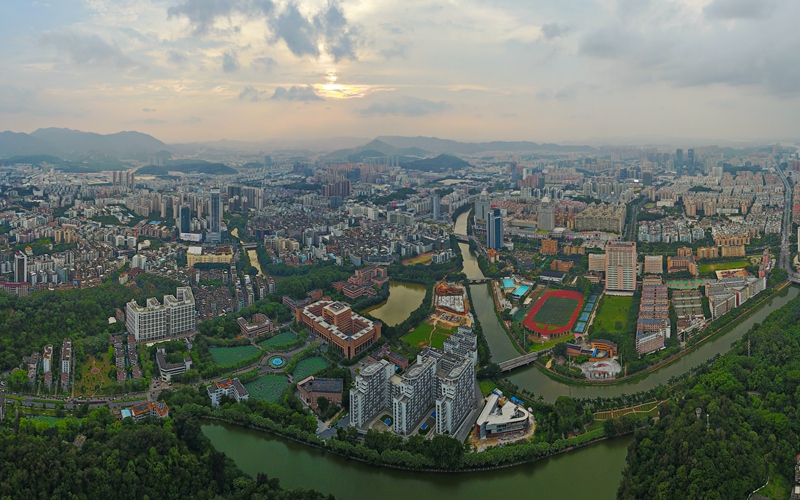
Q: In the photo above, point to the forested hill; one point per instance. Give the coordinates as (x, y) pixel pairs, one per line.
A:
(749, 423)
(98, 457)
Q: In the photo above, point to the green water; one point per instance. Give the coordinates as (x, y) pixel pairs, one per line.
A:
(599, 466)
(404, 298)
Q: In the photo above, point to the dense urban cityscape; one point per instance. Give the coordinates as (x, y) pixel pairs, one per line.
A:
(299, 249)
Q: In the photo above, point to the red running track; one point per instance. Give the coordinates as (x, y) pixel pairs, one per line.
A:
(565, 294)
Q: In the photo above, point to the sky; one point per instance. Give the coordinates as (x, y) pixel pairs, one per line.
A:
(569, 71)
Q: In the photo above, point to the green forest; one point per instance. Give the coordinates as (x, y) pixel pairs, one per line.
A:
(728, 427)
(27, 324)
(99, 457)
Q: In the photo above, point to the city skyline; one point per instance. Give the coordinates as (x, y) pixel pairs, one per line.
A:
(575, 72)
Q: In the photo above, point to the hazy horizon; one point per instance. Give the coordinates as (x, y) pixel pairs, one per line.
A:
(572, 72)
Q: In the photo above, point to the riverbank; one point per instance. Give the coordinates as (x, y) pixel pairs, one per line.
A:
(590, 438)
(665, 362)
(301, 466)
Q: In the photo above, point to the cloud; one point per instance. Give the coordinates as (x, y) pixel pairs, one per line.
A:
(551, 31)
(340, 39)
(192, 119)
(296, 93)
(15, 100)
(176, 57)
(406, 106)
(605, 43)
(296, 30)
(149, 110)
(263, 63)
(251, 93)
(202, 14)
(726, 10)
(396, 51)
(230, 61)
(87, 50)
(303, 35)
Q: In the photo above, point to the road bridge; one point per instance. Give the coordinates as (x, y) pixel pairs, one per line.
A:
(524, 360)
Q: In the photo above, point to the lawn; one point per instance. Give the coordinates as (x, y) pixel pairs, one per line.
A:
(44, 418)
(426, 335)
(486, 386)
(267, 388)
(613, 309)
(226, 356)
(419, 335)
(279, 341)
(556, 311)
(94, 383)
(722, 266)
(308, 366)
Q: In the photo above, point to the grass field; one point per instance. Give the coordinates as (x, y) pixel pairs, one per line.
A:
(612, 310)
(308, 366)
(280, 340)
(44, 418)
(225, 356)
(91, 383)
(267, 388)
(722, 266)
(419, 259)
(426, 335)
(487, 386)
(556, 311)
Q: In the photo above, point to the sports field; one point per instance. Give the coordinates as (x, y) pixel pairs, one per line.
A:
(225, 356)
(554, 312)
(267, 388)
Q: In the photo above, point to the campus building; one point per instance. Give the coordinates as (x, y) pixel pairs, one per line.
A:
(154, 409)
(454, 390)
(412, 394)
(501, 417)
(155, 321)
(347, 333)
(730, 293)
(653, 326)
(620, 267)
(205, 255)
(653, 264)
(311, 389)
(232, 388)
(169, 370)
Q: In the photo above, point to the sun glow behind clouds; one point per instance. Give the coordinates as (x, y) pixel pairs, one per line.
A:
(334, 90)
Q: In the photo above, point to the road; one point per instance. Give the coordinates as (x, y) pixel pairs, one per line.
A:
(784, 259)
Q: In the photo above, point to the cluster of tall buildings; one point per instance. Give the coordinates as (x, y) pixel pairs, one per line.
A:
(155, 321)
(124, 179)
(653, 326)
(440, 380)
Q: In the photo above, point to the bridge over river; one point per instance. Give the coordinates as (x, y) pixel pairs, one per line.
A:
(523, 360)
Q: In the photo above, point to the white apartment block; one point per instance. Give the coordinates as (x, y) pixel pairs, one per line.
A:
(412, 394)
(454, 392)
(155, 321)
(370, 393)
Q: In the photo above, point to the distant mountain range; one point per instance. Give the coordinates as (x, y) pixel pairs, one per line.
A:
(436, 145)
(74, 144)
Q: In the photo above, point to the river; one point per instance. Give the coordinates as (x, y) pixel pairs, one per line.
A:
(297, 465)
(403, 299)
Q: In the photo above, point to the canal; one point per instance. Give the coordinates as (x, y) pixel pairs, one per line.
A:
(250, 253)
(403, 299)
(299, 466)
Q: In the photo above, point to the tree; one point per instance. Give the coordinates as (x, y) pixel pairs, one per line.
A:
(445, 451)
(322, 404)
